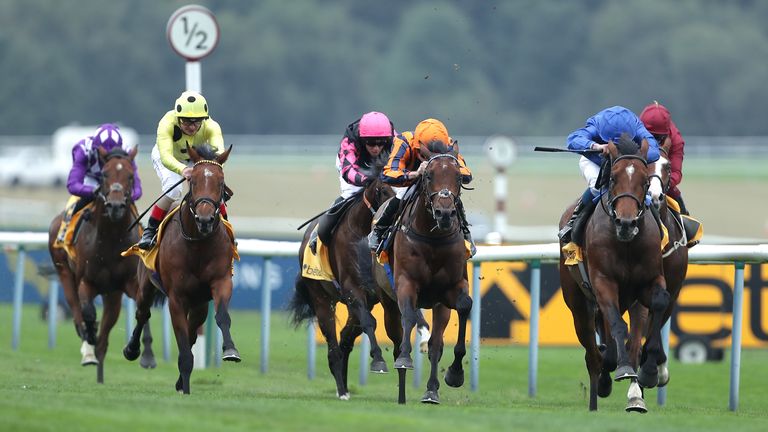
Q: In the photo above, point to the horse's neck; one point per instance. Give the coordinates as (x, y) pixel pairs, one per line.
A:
(358, 216)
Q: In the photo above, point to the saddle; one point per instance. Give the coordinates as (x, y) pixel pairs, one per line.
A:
(149, 257)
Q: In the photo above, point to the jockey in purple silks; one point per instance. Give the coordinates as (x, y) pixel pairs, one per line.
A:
(85, 176)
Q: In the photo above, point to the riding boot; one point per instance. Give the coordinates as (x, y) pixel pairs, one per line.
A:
(683, 209)
(147, 241)
(382, 225)
(565, 233)
(313, 242)
(325, 226)
(64, 225)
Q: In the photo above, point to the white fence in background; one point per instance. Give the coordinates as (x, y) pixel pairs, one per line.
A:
(535, 254)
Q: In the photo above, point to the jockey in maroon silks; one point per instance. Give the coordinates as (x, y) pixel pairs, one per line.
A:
(85, 176)
(658, 121)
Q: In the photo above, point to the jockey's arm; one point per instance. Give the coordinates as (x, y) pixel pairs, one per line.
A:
(676, 156)
(76, 180)
(350, 170)
(164, 144)
(137, 191)
(213, 135)
(395, 172)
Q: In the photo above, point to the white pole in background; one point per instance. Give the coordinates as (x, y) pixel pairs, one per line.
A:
(501, 152)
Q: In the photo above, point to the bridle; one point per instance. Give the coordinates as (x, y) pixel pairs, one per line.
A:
(442, 193)
(115, 186)
(612, 199)
(203, 200)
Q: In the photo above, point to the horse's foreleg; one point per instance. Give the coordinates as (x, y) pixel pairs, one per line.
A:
(367, 324)
(147, 355)
(454, 376)
(222, 293)
(616, 328)
(181, 331)
(144, 297)
(406, 300)
(653, 352)
(638, 319)
(440, 317)
(86, 293)
(109, 317)
(392, 323)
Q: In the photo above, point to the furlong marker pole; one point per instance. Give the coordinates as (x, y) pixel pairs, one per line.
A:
(738, 299)
(18, 296)
(53, 310)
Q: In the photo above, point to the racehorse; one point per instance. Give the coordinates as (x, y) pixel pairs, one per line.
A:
(351, 266)
(675, 260)
(622, 254)
(97, 267)
(194, 265)
(429, 269)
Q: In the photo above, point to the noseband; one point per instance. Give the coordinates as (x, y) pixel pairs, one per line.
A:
(640, 201)
(115, 187)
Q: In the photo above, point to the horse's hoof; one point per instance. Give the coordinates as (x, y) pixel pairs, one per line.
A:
(663, 377)
(404, 363)
(648, 378)
(636, 404)
(379, 367)
(430, 397)
(130, 354)
(344, 397)
(624, 372)
(232, 355)
(148, 362)
(604, 385)
(89, 360)
(454, 378)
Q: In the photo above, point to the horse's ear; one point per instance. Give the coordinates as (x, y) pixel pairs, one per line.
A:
(454, 146)
(644, 149)
(613, 150)
(132, 153)
(193, 156)
(224, 156)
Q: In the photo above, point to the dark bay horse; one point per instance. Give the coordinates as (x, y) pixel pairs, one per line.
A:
(429, 267)
(350, 260)
(98, 268)
(675, 260)
(622, 254)
(194, 265)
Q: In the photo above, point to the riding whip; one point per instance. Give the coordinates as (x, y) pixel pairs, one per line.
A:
(557, 150)
(155, 202)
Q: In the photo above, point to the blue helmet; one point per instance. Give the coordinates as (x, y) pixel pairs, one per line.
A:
(108, 136)
(614, 121)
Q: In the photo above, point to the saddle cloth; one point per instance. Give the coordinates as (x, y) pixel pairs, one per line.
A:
(149, 257)
(318, 266)
(69, 235)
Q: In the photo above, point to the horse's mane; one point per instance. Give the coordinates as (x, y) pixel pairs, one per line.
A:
(116, 152)
(438, 147)
(626, 145)
(374, 167)
(206, 151)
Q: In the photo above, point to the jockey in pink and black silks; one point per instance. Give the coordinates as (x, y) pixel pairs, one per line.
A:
(365, 140)
(85, 175)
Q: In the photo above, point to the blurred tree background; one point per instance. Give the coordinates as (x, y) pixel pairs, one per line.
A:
(520, 67)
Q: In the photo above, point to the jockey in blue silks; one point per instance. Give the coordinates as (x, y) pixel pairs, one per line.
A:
(607, 125)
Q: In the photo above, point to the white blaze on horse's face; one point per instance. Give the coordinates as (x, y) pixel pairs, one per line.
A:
(119, 166)
(630, 170)
(207, 172)
(660, 164)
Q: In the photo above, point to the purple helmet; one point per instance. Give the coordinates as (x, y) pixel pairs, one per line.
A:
(108, 136)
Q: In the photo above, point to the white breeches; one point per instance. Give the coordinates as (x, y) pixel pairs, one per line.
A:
(347, 190)
(590, 171)
(399, 191)
(167, 179)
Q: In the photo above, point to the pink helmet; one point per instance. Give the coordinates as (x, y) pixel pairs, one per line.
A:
(375, 124)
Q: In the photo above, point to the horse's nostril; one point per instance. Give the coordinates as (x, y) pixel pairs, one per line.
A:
(453, 213)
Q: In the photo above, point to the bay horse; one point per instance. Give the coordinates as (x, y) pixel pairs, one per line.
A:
(98, 268)
(349, 257)
(622, 255)
(675, 261)
(194, 265)
(429, 270)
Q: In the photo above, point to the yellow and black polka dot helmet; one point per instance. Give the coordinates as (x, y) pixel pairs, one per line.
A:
(191, 104)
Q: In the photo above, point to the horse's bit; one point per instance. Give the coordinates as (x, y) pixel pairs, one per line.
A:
(442, 193)
(640, 201)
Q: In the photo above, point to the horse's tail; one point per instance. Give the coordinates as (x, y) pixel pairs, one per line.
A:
(159, 298)
(301, 305)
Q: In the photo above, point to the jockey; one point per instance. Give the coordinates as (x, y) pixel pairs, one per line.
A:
(188, 123)
(405, 165)
(659, 123)
(605, 126)
(85, 176)
(364, 140)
